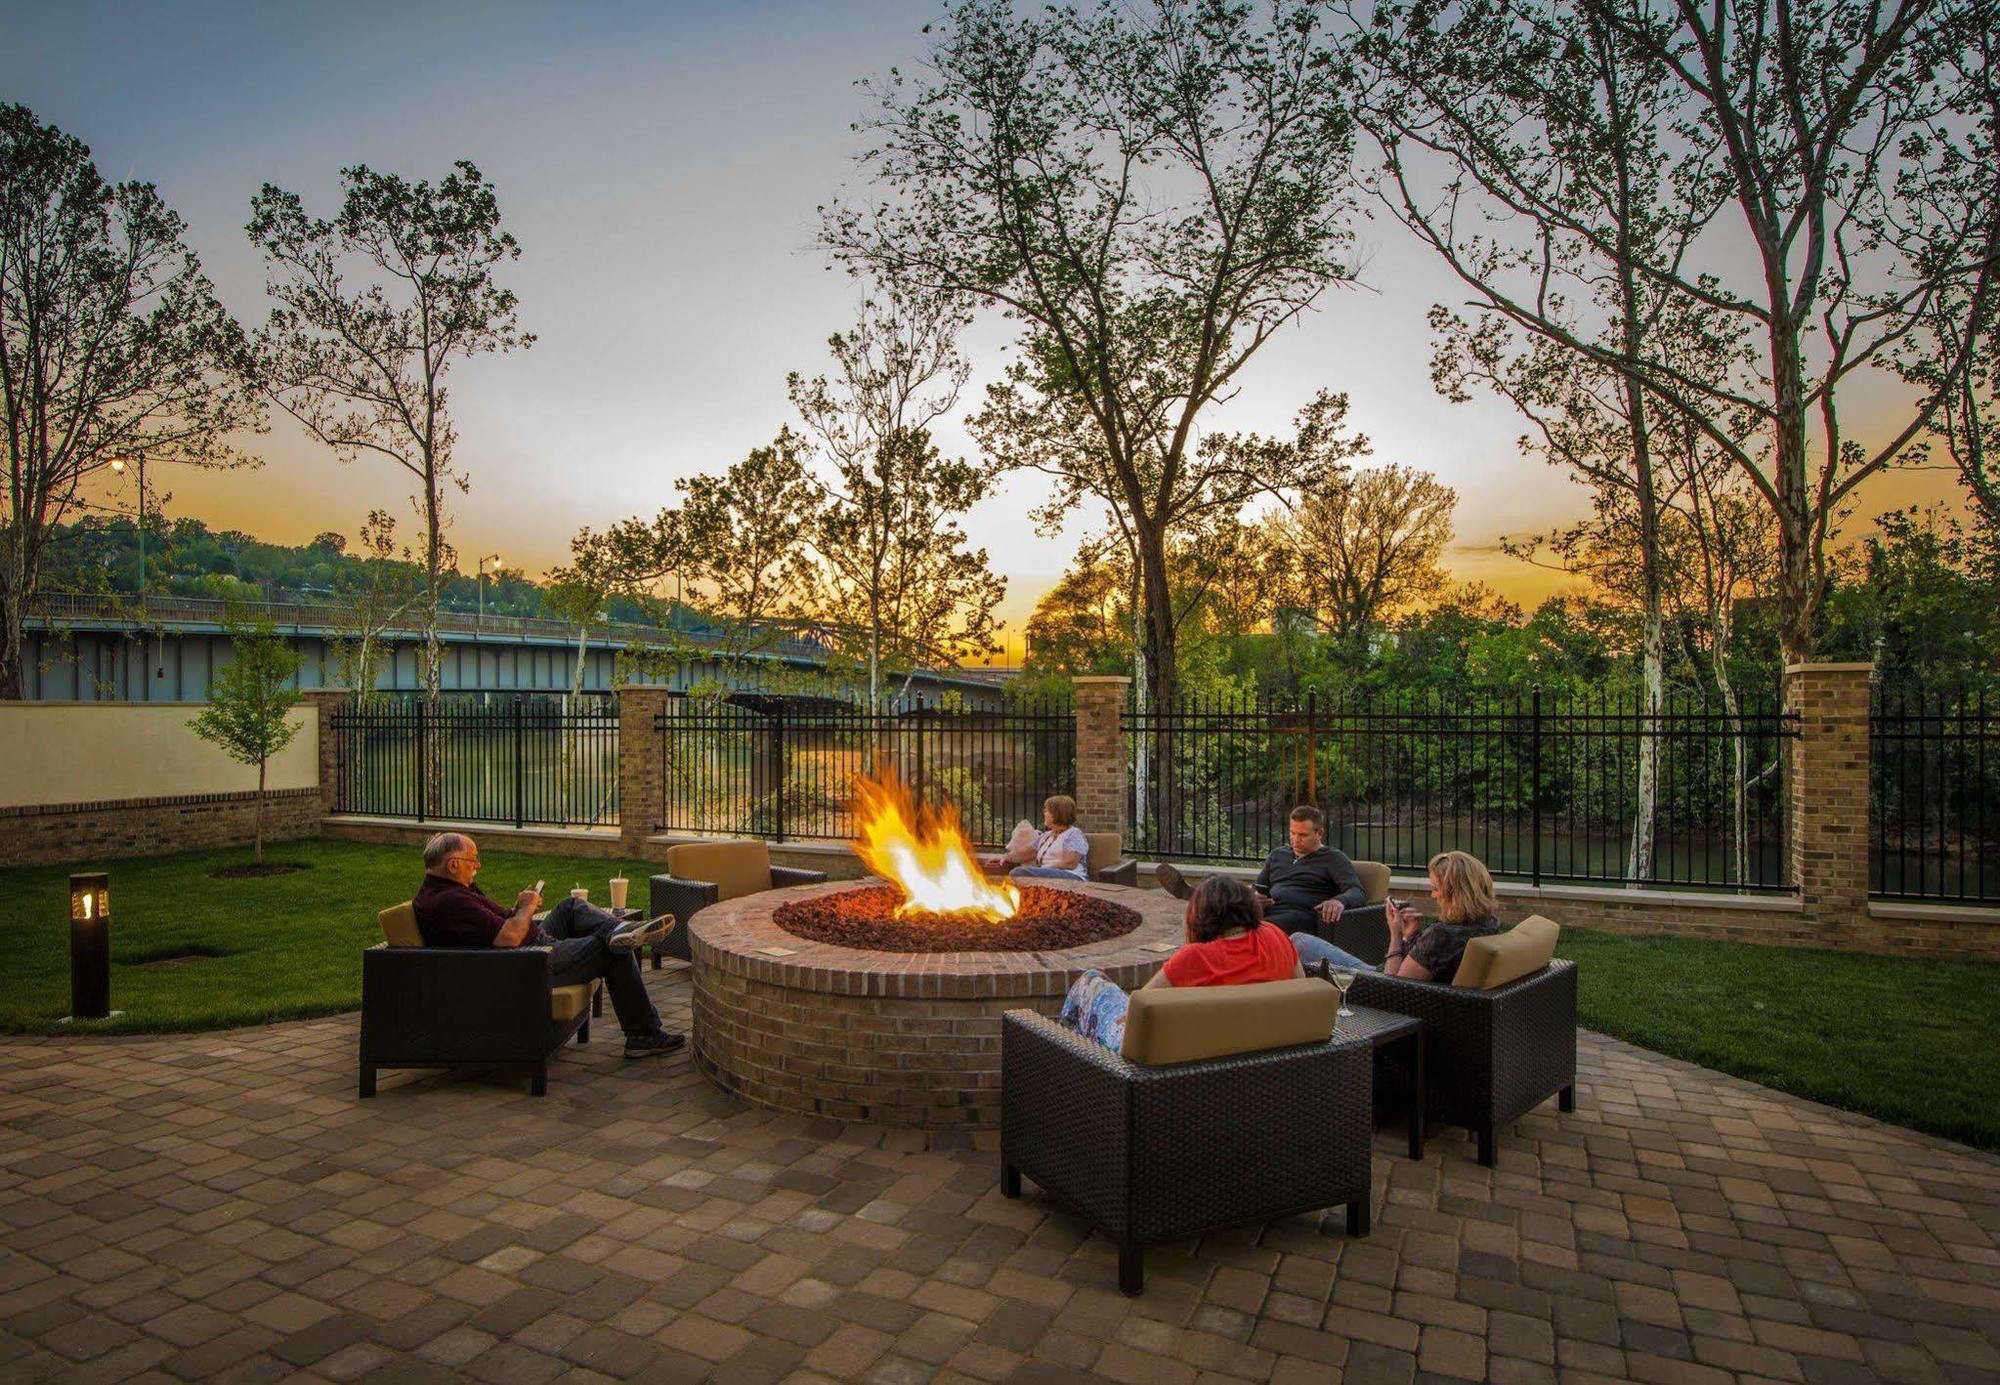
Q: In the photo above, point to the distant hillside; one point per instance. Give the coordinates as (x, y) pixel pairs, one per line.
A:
(187, 558)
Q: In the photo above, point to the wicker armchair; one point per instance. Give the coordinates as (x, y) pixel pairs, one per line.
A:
(1490, 1056)
(1150, 1154)
(465, 1008)
(703, 873)
(1108, 864)
(1363, 931)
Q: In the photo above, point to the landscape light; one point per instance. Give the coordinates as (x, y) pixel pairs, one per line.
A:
(89, 946)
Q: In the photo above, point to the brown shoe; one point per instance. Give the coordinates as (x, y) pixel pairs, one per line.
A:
(1172, 881)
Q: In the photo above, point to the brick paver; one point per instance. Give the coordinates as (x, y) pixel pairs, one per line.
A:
(222, 1205)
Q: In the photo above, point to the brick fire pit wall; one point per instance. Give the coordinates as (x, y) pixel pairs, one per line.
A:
(904, 1038)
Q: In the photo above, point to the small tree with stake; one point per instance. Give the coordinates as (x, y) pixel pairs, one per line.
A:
(250, 702)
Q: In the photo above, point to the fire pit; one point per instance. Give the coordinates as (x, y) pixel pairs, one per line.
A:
(905, 1037)
(881, 1001)
(868, 918)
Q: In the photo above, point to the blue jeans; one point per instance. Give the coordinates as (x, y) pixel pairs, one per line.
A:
(1314, 949)
(1041, 873)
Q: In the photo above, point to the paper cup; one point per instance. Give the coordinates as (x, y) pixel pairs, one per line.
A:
(581, 894)
(618, 892)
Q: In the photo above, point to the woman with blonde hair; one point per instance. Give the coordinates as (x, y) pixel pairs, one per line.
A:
(1467, 909)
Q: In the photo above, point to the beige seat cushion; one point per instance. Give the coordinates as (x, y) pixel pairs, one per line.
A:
(1107, 849)
(1521, 951)
(1374, 879)
(734, 868)
(1181, 1024)
(567, 1002)
(399, 926)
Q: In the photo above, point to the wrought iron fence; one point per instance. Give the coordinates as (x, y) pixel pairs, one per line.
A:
(786, 770)
(528, 761)
(1935, 765)
(1540, 787)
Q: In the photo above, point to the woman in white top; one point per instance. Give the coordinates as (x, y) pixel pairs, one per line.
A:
(1059, 850)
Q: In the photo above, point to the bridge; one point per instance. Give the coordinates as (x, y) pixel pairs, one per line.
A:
(86, 648)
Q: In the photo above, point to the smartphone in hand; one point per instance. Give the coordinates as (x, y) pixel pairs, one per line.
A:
(538, 888)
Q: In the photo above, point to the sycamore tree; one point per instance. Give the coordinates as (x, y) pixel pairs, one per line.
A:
(250, 701)
(373, 309)
(112, 344)
(903, 585)
(1815, 175)
(1151, 192)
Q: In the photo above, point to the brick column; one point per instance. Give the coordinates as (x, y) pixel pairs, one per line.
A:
(1826, 820)
(1100, 755)
(325, 702)
(641, 788)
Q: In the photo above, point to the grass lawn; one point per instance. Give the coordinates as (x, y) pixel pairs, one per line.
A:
(280, 947)
(1894, 1038)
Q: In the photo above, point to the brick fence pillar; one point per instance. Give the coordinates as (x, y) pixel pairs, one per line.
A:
(641, 781)
(1826, 822)
(1100, 755)
(325, 702)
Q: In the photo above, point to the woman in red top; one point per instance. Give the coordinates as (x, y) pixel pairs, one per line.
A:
(1228, 944)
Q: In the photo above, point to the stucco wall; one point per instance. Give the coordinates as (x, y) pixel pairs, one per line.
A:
(81, 752)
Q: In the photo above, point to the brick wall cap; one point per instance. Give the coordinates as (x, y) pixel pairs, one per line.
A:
(473, 829)
(1096, 678)
(1829, 668)
(1933, 913)
(1416, 885)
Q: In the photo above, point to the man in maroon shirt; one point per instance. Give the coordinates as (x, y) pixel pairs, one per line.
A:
(585, 942)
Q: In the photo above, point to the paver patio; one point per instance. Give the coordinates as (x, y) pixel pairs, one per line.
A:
(220, 1205)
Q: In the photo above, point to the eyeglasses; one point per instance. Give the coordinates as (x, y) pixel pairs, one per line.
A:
(470, 860)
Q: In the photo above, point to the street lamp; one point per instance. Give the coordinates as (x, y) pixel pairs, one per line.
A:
(118, 465)
(493, 558)
(90, 947)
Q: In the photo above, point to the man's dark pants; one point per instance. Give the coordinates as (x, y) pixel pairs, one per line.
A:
(582, 952)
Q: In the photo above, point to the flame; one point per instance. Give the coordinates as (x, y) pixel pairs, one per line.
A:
(923, 853)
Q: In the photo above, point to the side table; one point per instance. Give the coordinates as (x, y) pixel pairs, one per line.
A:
(1381, 1029)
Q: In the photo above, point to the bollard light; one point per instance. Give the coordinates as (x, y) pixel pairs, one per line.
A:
(89, 946)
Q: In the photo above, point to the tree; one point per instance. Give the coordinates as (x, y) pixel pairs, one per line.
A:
(1364, 547)
(904, 586)
(112, 343)
(362, 366)
(734, 547)
(375, 595)
(250, 700)
(1828, 132)
(1151, 192)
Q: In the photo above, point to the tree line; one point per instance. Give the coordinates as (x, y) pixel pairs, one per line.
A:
(1685, 237)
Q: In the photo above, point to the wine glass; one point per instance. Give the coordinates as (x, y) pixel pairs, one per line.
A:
(1342, 979)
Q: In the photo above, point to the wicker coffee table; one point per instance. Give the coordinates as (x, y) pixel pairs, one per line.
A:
(1382, 1028)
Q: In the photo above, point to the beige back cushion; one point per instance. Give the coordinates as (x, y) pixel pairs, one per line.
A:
(399, 926)
(1521, 951)
(1106, 849)
(1374, 879)
(735, 868)
(1180, 1024)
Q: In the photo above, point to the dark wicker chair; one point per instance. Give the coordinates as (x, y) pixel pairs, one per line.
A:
(468, 1009)
(1490, 1057)
(686, 888)
(1150, 1155)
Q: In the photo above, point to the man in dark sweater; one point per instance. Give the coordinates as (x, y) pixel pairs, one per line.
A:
(584, 942)
(1308, 883)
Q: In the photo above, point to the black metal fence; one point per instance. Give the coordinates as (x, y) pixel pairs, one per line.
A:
(1541, 788)
(787, 770)
(1935, 767)
(528, 761)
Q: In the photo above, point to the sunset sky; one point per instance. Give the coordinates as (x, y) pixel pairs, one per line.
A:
(660, 165)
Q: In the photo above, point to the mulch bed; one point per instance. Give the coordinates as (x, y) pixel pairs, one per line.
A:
(257, 872)
(866, 918)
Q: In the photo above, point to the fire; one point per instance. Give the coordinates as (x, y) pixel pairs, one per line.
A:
(923, 853)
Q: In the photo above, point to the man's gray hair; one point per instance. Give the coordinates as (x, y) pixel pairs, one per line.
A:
(443, 845)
